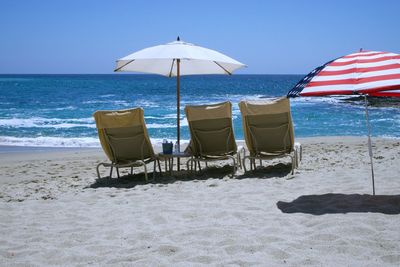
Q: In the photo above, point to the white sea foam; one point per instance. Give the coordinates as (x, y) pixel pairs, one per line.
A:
(109, 95)
(111, 102)
(316, 99)
(38, 122)
(160, 117)
(160, 125)
(210, 99)
(49, 141)
(170, 116)
(145, 103)
(66, 108)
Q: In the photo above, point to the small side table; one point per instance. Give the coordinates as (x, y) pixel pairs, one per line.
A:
(169, 160)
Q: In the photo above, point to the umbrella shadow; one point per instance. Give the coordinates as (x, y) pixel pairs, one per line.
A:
(342, 203)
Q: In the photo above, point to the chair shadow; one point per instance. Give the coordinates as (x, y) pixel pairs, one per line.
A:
(279, 170)
(211, 172)
(342, 203)
(130, 181)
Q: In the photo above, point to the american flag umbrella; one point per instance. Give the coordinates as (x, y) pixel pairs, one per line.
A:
(366, 73)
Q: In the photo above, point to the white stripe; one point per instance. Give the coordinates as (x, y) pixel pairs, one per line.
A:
(377, 84)
(351, 87)
(365, 57)
(362, 65)
(355, 75)
(391, 91)
(363, 53)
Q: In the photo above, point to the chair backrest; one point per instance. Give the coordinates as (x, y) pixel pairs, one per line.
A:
(123, 135)
(211, 129)
(267, 126)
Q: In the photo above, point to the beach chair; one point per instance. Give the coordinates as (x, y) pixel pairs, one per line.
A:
(212, 136)
(268, 131)
(124, 139)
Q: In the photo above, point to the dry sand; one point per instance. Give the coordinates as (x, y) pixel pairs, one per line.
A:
(53, 211)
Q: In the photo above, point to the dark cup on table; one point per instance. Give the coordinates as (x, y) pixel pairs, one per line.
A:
(167, 148)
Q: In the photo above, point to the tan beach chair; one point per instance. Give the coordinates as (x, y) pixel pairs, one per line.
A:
(124, 139)
(212, 136)
(268, 131)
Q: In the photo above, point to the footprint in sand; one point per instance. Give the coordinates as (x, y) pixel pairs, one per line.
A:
(391, 258)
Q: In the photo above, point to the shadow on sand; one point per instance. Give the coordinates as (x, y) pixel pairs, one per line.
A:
(279, 170)
(212, 172)
(342, 203)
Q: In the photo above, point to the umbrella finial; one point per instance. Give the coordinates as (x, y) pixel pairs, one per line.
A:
(178, 39)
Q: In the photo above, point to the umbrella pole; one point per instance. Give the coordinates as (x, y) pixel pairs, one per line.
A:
(178, 110)
(369, 144)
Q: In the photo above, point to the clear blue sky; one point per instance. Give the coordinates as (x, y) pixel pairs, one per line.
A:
(276, 37)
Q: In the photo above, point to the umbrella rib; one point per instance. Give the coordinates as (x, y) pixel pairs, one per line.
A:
(222, 68)
(117, 69)
(172, 66)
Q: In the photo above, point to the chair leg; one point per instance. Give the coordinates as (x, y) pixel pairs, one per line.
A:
(117, 171)
(131, 170)
(244, 164)
(154, 170)
(145, 172)
(301, 152)
(187, 164)
(111, 171)
(159, 166)
(98, 171)
(293, 163)
(234, 167)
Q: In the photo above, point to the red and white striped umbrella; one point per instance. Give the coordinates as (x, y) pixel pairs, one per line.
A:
(367, 73)
(370, 73)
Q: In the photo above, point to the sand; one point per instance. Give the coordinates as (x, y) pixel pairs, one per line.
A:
(54, 211)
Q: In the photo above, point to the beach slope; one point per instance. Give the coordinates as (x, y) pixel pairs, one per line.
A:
(54, 211)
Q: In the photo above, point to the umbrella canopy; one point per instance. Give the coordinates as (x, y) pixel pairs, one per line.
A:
(367, 73)
(176, 59)
(162, 59)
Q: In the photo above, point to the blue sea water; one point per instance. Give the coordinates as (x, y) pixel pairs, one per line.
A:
(56, 110)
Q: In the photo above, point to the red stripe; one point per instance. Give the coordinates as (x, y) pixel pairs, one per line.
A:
(359, 70)
(353, 81)
(337, 64)
(379, 89)
(394, 94)
(364, 55)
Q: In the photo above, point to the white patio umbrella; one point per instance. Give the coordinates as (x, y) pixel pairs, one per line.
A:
(176, 59)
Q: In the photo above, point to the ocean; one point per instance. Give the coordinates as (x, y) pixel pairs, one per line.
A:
(56, 110)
